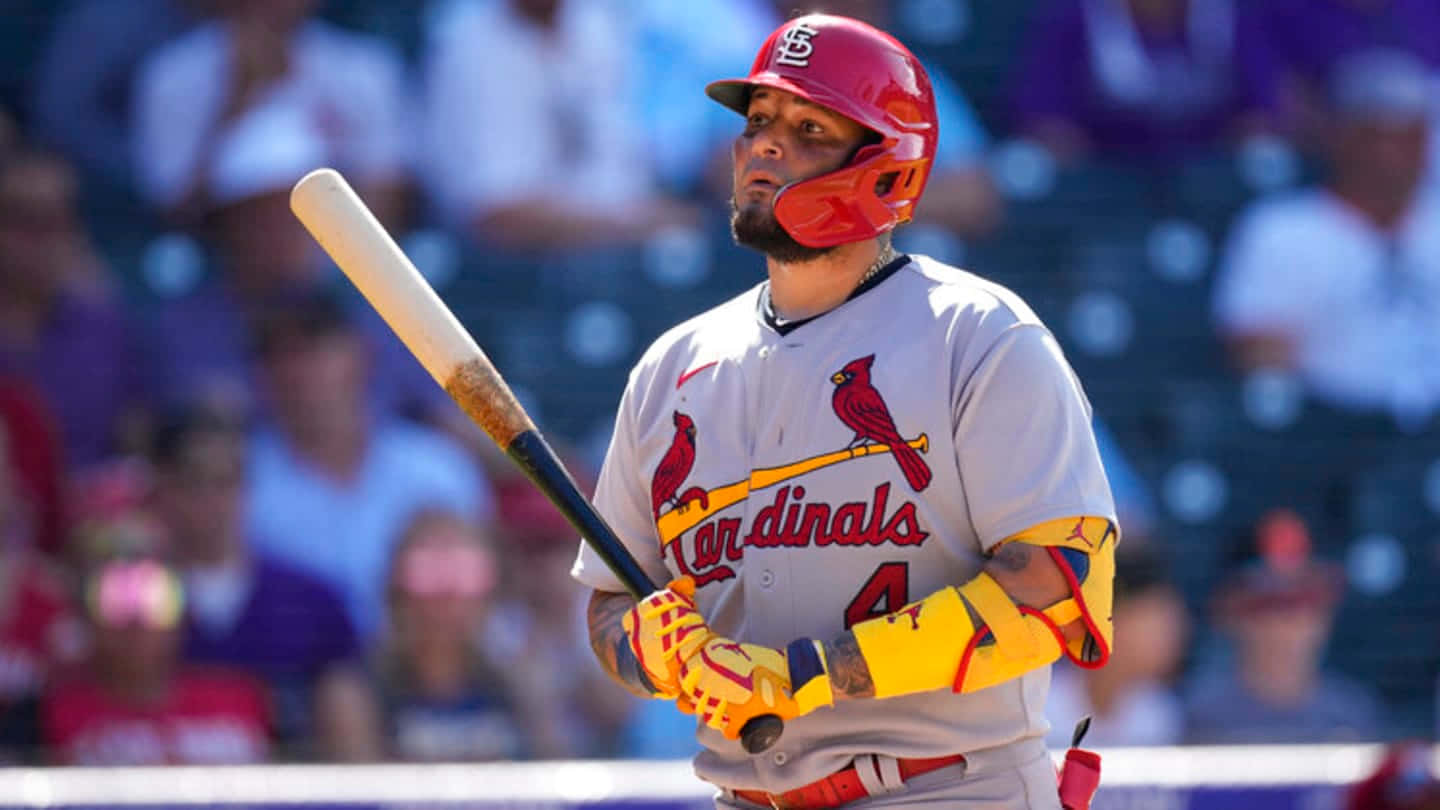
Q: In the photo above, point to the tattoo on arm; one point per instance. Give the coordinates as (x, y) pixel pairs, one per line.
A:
(1013, 557)
(1028, 574)
(612, 649)
(849, 674)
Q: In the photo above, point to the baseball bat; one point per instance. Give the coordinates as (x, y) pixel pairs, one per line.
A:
(344, 226)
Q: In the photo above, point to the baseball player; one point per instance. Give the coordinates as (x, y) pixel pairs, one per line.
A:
(870, 481)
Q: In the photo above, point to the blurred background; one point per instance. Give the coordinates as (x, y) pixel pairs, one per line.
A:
(241, 524)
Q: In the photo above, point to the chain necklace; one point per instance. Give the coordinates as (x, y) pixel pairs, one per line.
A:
(887, 255)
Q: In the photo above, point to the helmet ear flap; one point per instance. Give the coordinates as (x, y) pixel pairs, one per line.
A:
(886, 183)
(904, 183)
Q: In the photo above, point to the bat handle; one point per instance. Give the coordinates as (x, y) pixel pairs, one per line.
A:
(539, 461)
(761, 732)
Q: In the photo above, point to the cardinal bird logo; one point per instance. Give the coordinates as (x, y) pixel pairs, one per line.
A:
(675, 467)
(863, 410)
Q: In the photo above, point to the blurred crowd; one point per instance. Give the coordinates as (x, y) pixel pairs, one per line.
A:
(239, 523)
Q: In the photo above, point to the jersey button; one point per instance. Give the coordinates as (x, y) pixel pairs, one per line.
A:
(766, 579)
(779, 757)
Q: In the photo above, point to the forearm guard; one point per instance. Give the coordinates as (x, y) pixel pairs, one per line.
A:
(976, 636)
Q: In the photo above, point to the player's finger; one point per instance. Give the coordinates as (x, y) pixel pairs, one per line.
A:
(690, 677)
(733, 727)
(685, 704)
(678, 620)
(715, 714)
(767, 692)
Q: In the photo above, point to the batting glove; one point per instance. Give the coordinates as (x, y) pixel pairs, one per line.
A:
(664, 629)
(727, 683)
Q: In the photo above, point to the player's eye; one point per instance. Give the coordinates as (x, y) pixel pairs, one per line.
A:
(812, 127)
(755, 121)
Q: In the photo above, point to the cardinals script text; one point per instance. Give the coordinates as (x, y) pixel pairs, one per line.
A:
(790, 521)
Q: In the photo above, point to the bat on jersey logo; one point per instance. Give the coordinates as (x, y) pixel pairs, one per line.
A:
(858, 405)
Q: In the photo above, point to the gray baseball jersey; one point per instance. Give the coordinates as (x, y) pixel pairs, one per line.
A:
(799, 513)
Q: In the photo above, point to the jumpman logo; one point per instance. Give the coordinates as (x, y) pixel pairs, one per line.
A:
(1078, 533)
(913, 612)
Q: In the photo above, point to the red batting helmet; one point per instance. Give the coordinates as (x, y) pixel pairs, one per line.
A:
(867, 76)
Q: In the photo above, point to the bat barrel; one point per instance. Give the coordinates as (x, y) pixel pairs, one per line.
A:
(334, 214)
(345, 227)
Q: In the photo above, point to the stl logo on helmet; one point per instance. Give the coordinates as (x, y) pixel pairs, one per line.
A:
(796, 47)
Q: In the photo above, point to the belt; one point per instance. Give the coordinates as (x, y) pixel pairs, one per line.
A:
(842, 787)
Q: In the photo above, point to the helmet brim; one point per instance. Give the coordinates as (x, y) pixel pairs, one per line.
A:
(735, 93)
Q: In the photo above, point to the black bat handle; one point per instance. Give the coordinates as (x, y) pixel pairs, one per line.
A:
(533, 454)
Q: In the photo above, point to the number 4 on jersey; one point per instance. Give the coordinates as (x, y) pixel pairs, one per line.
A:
(889, 585)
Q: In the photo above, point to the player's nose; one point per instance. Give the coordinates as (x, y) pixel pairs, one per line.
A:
(764, 144)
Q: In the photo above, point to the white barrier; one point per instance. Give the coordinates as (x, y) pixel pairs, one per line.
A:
(585, 782)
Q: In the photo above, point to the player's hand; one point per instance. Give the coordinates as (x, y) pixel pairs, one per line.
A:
(664, 629)
(727, 683)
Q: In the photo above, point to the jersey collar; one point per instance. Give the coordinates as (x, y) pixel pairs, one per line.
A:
(783, 327)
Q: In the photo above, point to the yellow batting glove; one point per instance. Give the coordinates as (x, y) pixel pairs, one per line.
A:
(727, 683)
(664, 629)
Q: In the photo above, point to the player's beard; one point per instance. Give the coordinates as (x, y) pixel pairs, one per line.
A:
(755, 226)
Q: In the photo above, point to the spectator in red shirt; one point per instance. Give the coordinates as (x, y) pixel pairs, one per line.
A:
(135, 704)
(1404, 780)
(38, 627)
(36, 465)
(39, 631)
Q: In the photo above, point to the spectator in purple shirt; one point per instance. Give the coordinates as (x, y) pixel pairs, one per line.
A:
(60, 328)
(1311, 37)
(1139, 79)
(244, 609)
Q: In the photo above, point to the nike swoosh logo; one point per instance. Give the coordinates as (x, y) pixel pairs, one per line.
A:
(692, 372)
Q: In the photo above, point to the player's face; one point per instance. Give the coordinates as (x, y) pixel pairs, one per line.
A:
(786, 139)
